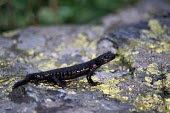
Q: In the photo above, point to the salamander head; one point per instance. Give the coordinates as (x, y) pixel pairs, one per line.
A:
(104, 58)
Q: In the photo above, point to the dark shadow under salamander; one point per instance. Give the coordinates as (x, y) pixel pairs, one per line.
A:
(57, 76)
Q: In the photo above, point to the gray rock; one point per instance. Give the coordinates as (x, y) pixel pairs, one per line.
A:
(137, 80)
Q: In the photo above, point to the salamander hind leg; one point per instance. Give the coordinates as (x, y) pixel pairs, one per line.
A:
(58, 82)
(90, 81)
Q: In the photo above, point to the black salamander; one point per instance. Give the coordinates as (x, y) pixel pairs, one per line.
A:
(57, 76)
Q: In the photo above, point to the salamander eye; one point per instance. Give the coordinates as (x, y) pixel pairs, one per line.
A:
(106, 56)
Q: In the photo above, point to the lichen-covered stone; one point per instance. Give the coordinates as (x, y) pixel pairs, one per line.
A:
(138, 80)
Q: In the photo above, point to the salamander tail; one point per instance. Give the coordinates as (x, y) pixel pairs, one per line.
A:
(21, 82)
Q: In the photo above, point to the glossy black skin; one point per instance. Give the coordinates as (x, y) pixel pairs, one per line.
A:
(58, 75)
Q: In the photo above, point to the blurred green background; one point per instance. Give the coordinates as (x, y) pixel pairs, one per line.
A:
(21, 13)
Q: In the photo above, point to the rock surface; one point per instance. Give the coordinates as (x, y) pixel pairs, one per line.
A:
(138, 80)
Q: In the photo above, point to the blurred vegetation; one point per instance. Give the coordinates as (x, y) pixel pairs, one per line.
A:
(21, 13)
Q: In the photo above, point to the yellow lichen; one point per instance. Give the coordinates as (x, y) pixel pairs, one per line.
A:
(92, 56)
(117, 59)
(107, 67)
(153, 69)
(155, 27)
(155, 30)
(60, 47)
(73, 63)
(9, 84)
(5, 63)
(48, 100)
(71, 92)
(9, 34)
(63, 65)
(148, 102)
(110, 88)
(93, 44)
(125, 59)
(167, 81)
(148, 81)
(167, 106)
(157, 85)
(81, 41)
(47, 65)
(14, 41)
(140, 69)
(135, 52)
(38, 57)
(152, 100)
(129, 89)
(30, 52)
(163, 47)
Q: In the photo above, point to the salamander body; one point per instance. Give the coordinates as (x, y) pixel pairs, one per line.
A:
(57, 76)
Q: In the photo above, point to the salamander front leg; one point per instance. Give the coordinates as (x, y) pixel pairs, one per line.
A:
(90, 81)
(59, 82)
